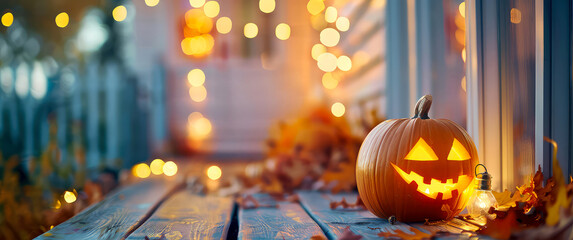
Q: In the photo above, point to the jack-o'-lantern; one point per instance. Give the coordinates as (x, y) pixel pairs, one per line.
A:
(416, 169)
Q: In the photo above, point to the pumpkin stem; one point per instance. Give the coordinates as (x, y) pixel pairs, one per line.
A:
(423, 107)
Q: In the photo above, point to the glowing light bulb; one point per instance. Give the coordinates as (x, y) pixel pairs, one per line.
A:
(169, 168)
(214, 172)
(69, 197)
(156, 166)
(482, 199)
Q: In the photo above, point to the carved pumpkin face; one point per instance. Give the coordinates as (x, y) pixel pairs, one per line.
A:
(416, 169)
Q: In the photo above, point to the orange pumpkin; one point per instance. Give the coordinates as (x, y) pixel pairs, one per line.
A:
(416, 169)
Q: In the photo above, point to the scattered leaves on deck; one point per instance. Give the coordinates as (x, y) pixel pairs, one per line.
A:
(344, 204)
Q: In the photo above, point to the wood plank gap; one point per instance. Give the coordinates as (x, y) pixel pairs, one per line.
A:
(322, 226)
(233, 230)
(178, 187)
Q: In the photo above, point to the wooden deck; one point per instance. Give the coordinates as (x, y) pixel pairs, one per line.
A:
(164, 210)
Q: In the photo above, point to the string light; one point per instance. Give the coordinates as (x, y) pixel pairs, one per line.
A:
(251, 30)
(343, 24)
(327, 62)
(119, 13)
(156, 166)
(330, 14)
(283, 31)
(316, 50)
(344, 63)
(198, 127)
(211, 9)
(7, 19)
(338, 109)
(224, 25)
(151, 3)
(141, 170)
(198, 94)
(62, 19)
(267, 6)
(196, 77)
(315, 6)
(170, 168)
(329, 37)
(214, 172)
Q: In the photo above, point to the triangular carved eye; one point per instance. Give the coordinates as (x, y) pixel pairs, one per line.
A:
(458, 152)
(421, 152)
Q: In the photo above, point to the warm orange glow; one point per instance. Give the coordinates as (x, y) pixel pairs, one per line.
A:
(283, 31)
(329, 37)
(151, 3)
(211, 9)
(515, 15)
(169, 168)
(141, 170)
(316, 50)
(327, 62)
(464, 54)
(460, 37)
(196, 77)
(197, 23)
(421, 152)
(119, 13)
(344, 63)
(267, 6)
(462, 9)
(464, 83)
(198, 127)
(338, 109)
(198, 94)
(360, 58)
(328, 81)
(62, 20)
(70, 197)
(251, 30)
(214, 172)
(197, 3)
(224, 25)
(436, 186)
(7, 19)
(198, 46)
(331, 14)
(156, 166)
(343, 24)
(315, 6)
(317, 22)
(57, 204)
(458, 152)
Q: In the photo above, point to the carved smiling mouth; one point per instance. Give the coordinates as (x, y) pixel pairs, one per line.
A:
(436, 186)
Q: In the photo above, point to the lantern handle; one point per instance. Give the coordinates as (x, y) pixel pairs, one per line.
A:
(423, 107)
(476, 168)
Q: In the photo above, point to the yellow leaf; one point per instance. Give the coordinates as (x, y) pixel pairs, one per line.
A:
(505, 200)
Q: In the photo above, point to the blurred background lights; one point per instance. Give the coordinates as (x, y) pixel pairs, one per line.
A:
(151, 3)
(315, 6)
(211, 9)
(251, 30)
(39, 81)
(141, 170)
(22, 83)
(338, 109)
(214, 172)
(7, 19)
(329, 37)
(119, 13)
(462, 9)
(156, 166)
(327, 62)
(198, 127)
(344, 63)
(198, 94)
(92, 33)
(328, 81)
(62, 20)
(283, 31)
(69, 197)
(343, 24)
(267, 6)
(170, 168)
(316, 50)
(330, 14)
(197, 3)
(196, 77)
(224, 25)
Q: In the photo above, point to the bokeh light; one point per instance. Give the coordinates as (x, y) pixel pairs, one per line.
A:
(330, 14)
(317, 22)
(69, 197)
(328, 81)
(198, 127)
(197, 3)
(196, 23)
(211, 9)
(462, 9)
(119, 13)
(57, 204)
(343, 24)
(141, 170)
(344, 63)
(315, 6)
(62, 20)
(267, 6)
(7, 19)
(198, 94)
(338, 109)
(198, 46)
(283, 31)
(327, 62)
(360, 58)
(464, 54)
(196, 77)
(214, 172)
(329, 37)
(317, 50)
(151, 3)
(224, 25)
(251, 30)
(169, 168)
(156, 166)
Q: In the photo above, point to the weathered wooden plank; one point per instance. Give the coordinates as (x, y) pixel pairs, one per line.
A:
(286, 221)
(116, 215)
(188, 216)
(360, 221)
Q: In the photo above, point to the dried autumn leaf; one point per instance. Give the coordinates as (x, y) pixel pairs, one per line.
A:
(500, 227)
(344, 204)
(506, 200)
